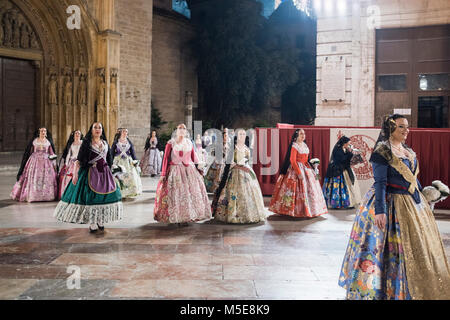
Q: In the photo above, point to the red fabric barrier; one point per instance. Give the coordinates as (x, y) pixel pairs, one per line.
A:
(432, 148)
(431, 145)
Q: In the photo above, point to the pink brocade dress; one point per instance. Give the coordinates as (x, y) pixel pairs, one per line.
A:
(38, 181)
(66, 173)
(181, 196)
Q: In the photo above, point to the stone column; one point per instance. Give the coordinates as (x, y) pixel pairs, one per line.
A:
(188, 103)
(108, 59)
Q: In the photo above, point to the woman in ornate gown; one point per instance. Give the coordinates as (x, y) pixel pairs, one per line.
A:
(215, 171)
(238, 198)
(37, 177)
(123, 151)
(151, 160)
(340, 187)
(297, 192)
(395, 250)
(202, 155)
(181, 194)
(69, 157)
(93, 196)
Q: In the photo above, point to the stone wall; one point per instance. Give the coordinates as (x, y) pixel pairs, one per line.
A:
(174, 66)
(351, 35)
(134, 23)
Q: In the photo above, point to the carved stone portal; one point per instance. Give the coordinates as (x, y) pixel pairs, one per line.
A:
(15, 30)
(101, 90)
(75, 90)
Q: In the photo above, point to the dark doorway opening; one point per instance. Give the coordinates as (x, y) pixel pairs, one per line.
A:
(17, 103)
(433, 112)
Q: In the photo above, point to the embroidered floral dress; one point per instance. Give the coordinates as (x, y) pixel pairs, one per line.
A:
(129, 181)
(215, 171)
(202, 156)
(340, 186)
(151, 160)
(181, 196)
(66, 172)
(241, 200)
(38, 181)
(406, 259)
(298, 192)
(95, 198)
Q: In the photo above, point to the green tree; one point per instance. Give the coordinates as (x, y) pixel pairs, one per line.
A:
(156, 121)
(299, 100)
(229, 59)
(244, 65)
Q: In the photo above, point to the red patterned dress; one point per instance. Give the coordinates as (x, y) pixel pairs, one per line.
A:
(298, 193)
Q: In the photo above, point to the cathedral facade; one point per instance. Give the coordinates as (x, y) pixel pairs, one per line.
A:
(68, 64)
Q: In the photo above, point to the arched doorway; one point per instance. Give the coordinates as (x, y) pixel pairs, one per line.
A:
(35, 33)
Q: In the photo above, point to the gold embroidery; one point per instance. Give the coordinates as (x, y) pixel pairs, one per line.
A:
(398, 165)
(406, 173)
(427, 268)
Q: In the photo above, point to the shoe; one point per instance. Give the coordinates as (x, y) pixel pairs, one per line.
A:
(92, 230)
(101, 228)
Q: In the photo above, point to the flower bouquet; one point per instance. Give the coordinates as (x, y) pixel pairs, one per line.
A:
(315, 162)
(357, 158)
(118, 169)
(435, 193)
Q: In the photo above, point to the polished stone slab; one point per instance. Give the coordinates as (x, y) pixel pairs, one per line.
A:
(138, 258)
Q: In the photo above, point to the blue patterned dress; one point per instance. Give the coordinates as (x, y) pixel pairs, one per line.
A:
(406, 260)
(340, 188)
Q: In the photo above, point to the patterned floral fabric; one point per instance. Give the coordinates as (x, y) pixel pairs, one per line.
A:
(151, 160)
(241, 200)
(215, 172)
(336, 192)
(65, 176)
(66, 172)
(298, 196)
(213, 176)
(340, 193)
(374, 263)
(202, 156)
(129, 181)
(406, 260)
(181, 196)
(38, 181)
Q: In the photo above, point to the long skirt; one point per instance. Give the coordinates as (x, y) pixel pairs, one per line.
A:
(80, 204)
(151, 162)
(340, 193)
(65, 176)
(213, 177)
(405, 261)
(241, 200)
(129, 181)
(298, 196)
(38, 181)
(181, 196)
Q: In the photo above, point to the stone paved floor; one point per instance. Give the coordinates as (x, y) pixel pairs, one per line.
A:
(138, 258)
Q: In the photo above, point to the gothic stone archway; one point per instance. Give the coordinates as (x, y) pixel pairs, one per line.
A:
(72, 83)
